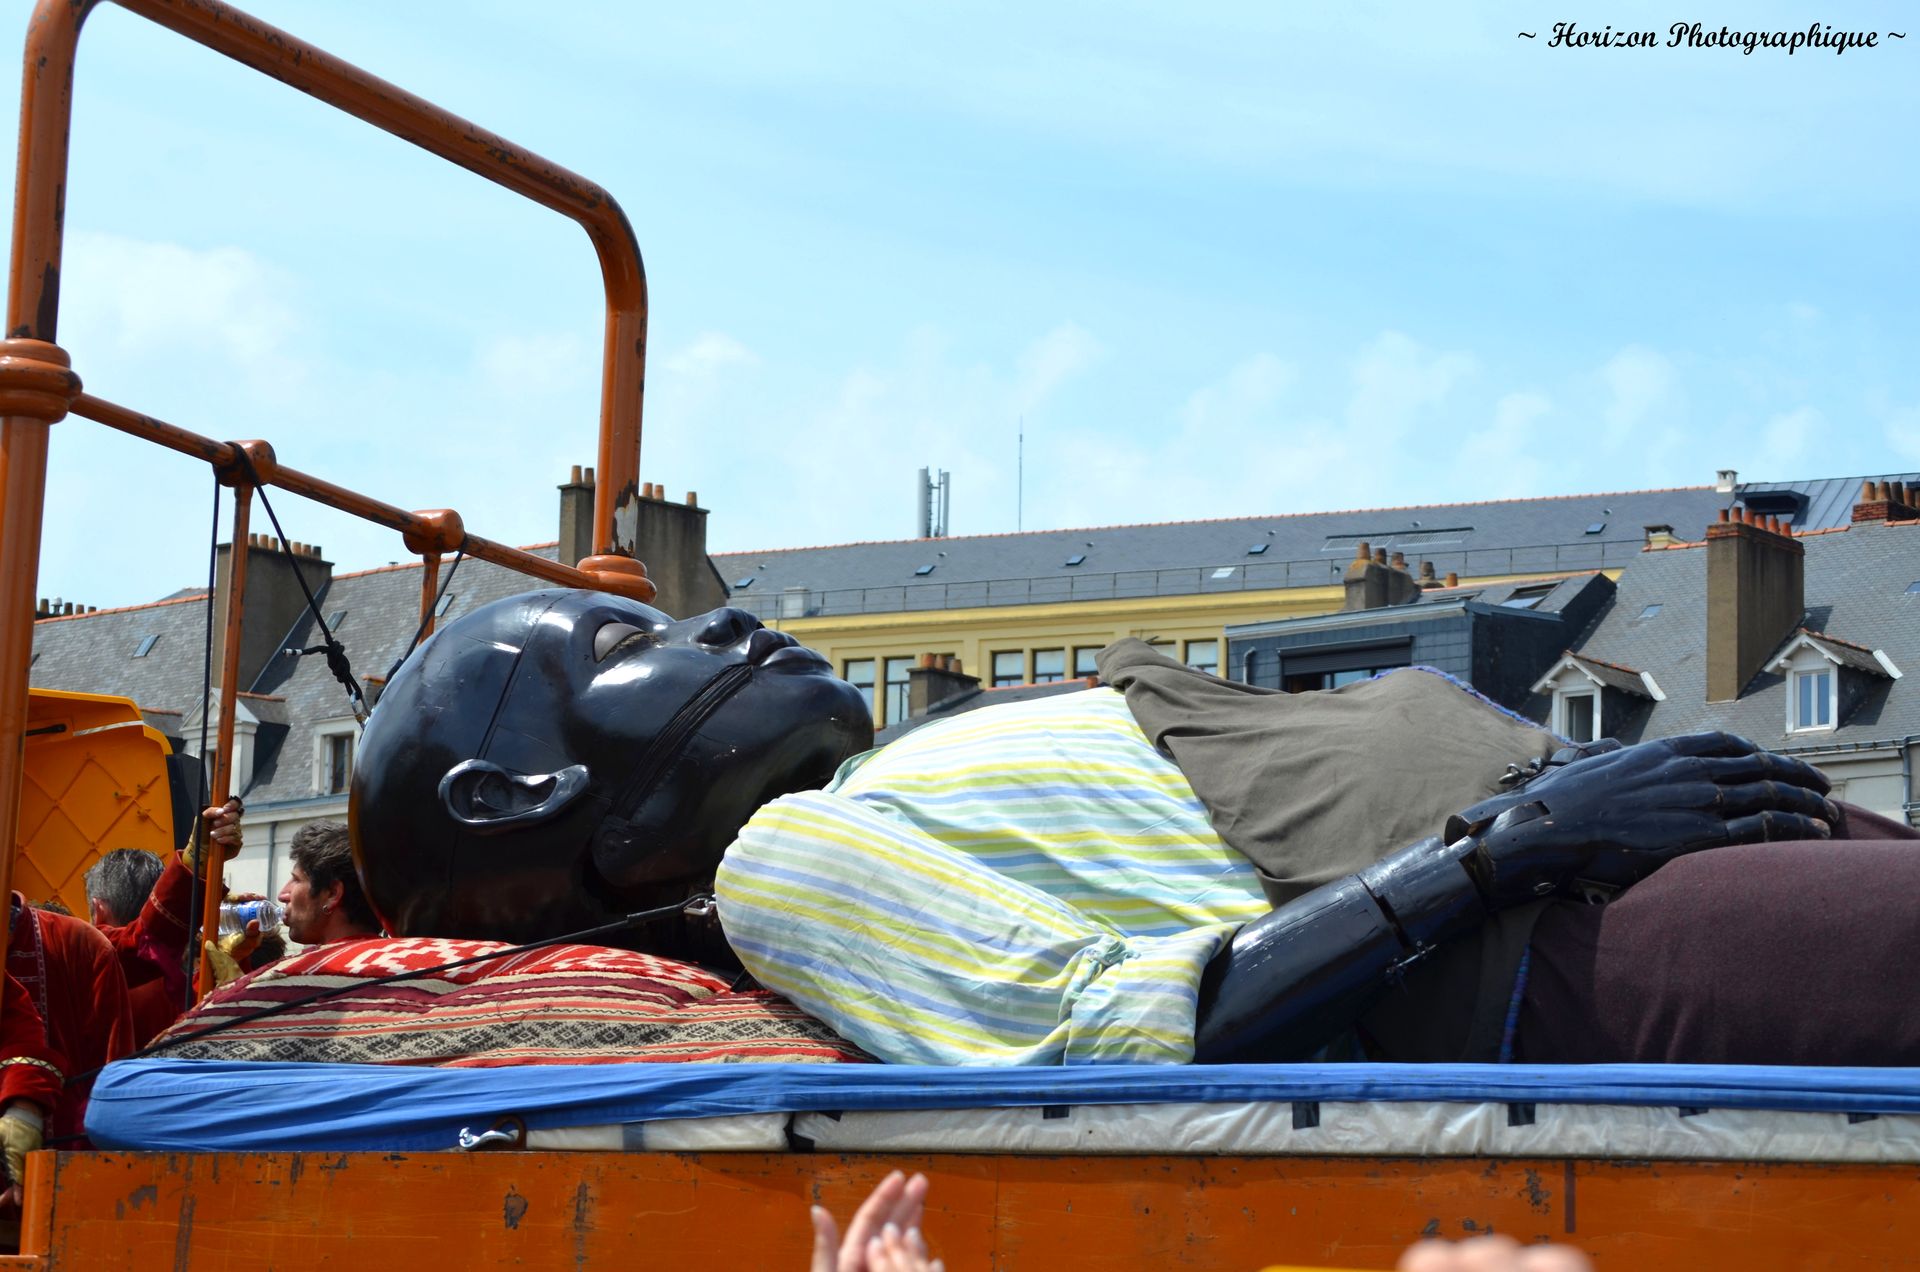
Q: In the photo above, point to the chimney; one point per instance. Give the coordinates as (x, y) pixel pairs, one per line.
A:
(1887, 501)
(1660, 536)
(1725, 481)
(937, 679)
(576, 516)
(671, 540)
(1756, 595)
(274, 600)
(1374, 582)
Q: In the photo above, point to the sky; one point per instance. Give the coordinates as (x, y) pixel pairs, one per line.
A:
(1213, 260)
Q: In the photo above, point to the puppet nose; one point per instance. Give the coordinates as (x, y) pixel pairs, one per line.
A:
(728, 627)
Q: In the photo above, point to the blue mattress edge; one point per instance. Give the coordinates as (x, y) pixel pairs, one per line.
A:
(213, 1105)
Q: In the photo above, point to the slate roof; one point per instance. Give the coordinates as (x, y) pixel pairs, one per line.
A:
(1181, 558)
(1820, 504)
(1857, 584)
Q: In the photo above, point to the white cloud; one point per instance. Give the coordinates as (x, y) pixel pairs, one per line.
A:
(1642, 390)
(1788, 435)
(1903, 433)
(710, 354)
(537, 363)
(1051, 361)
(135, 313)
(1398, 382)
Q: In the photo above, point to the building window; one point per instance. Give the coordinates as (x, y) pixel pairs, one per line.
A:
(1010, 667)
(1204, 655)
(896, 673)
(1813, 699)
(1328, 667)
(858, 672)
(1576, 716)
(333, 758)
(1049, 666)
(1086, 661)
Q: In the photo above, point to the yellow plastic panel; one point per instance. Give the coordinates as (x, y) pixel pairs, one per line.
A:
(95, 780)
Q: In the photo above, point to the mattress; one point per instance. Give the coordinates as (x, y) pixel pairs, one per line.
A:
(1724, 1112)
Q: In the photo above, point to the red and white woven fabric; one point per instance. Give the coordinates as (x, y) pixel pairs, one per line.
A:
(566, 1004)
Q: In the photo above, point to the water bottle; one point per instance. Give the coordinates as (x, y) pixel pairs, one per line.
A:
(235, 915)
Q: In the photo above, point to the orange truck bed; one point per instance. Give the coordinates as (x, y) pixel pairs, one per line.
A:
(108, 1212)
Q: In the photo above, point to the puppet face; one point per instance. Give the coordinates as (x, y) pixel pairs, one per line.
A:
(557, 759)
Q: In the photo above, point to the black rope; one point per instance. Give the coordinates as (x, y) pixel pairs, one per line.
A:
(572, 938)
(438, 597)
(201, 881)
(330, 644)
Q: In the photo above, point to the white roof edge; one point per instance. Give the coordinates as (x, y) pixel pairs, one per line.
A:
(1880, 656)
(1552, 673)
(1653, 689)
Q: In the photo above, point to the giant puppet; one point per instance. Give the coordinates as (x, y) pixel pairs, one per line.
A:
(1042, 882)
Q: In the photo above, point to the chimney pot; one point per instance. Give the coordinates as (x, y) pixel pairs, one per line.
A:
(1379, 556)
(313, 549)
(587, 478)
(928, 660)
(1364, 552)
(693, 499)
(1399, 560)
(1726, 480)
(1866, 491)
(1453, 580)
(1426, 571)
(573, 478)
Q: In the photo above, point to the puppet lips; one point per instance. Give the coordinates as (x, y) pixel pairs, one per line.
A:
(767, 648)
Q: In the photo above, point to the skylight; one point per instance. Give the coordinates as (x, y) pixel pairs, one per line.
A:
(745, 582)
(446, 603)
(1258, 548)
(1914, 586)
(1595, 527)
(145, 646)
(1225, 571)
(1078, 558)
(335, 619)
(1648, 612)
(923, 571)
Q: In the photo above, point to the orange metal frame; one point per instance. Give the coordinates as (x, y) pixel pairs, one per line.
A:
(38, 386)
(128, 1212)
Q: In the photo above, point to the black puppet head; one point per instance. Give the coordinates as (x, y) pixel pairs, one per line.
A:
(557, 759)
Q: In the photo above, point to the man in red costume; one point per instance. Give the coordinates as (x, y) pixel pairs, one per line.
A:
(31, 1074)
(74, 982)
(152, 943)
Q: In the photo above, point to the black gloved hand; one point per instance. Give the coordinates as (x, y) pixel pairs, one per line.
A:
(1616, 816)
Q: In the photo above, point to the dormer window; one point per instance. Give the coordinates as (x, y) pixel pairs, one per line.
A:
(1813, 704)
(1576, 716)
(1590, 695)
(1826, 678)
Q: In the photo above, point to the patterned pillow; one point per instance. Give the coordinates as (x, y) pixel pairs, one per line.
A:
(566, 1004)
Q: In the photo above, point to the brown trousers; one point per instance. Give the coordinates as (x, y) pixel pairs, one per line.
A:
(1786, 953)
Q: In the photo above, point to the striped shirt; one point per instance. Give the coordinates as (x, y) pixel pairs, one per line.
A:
(1024, 884)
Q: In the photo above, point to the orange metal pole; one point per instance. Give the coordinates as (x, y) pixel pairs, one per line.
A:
(267, 49)
(36, 382)
(221, 777)
(429, 586)
(441, 530)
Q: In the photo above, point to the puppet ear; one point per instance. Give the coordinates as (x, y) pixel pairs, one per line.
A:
(488, 799)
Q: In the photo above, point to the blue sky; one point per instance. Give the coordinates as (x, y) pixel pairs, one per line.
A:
(1222, 259)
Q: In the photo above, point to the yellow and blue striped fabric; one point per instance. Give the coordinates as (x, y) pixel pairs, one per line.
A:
(1023, 884)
